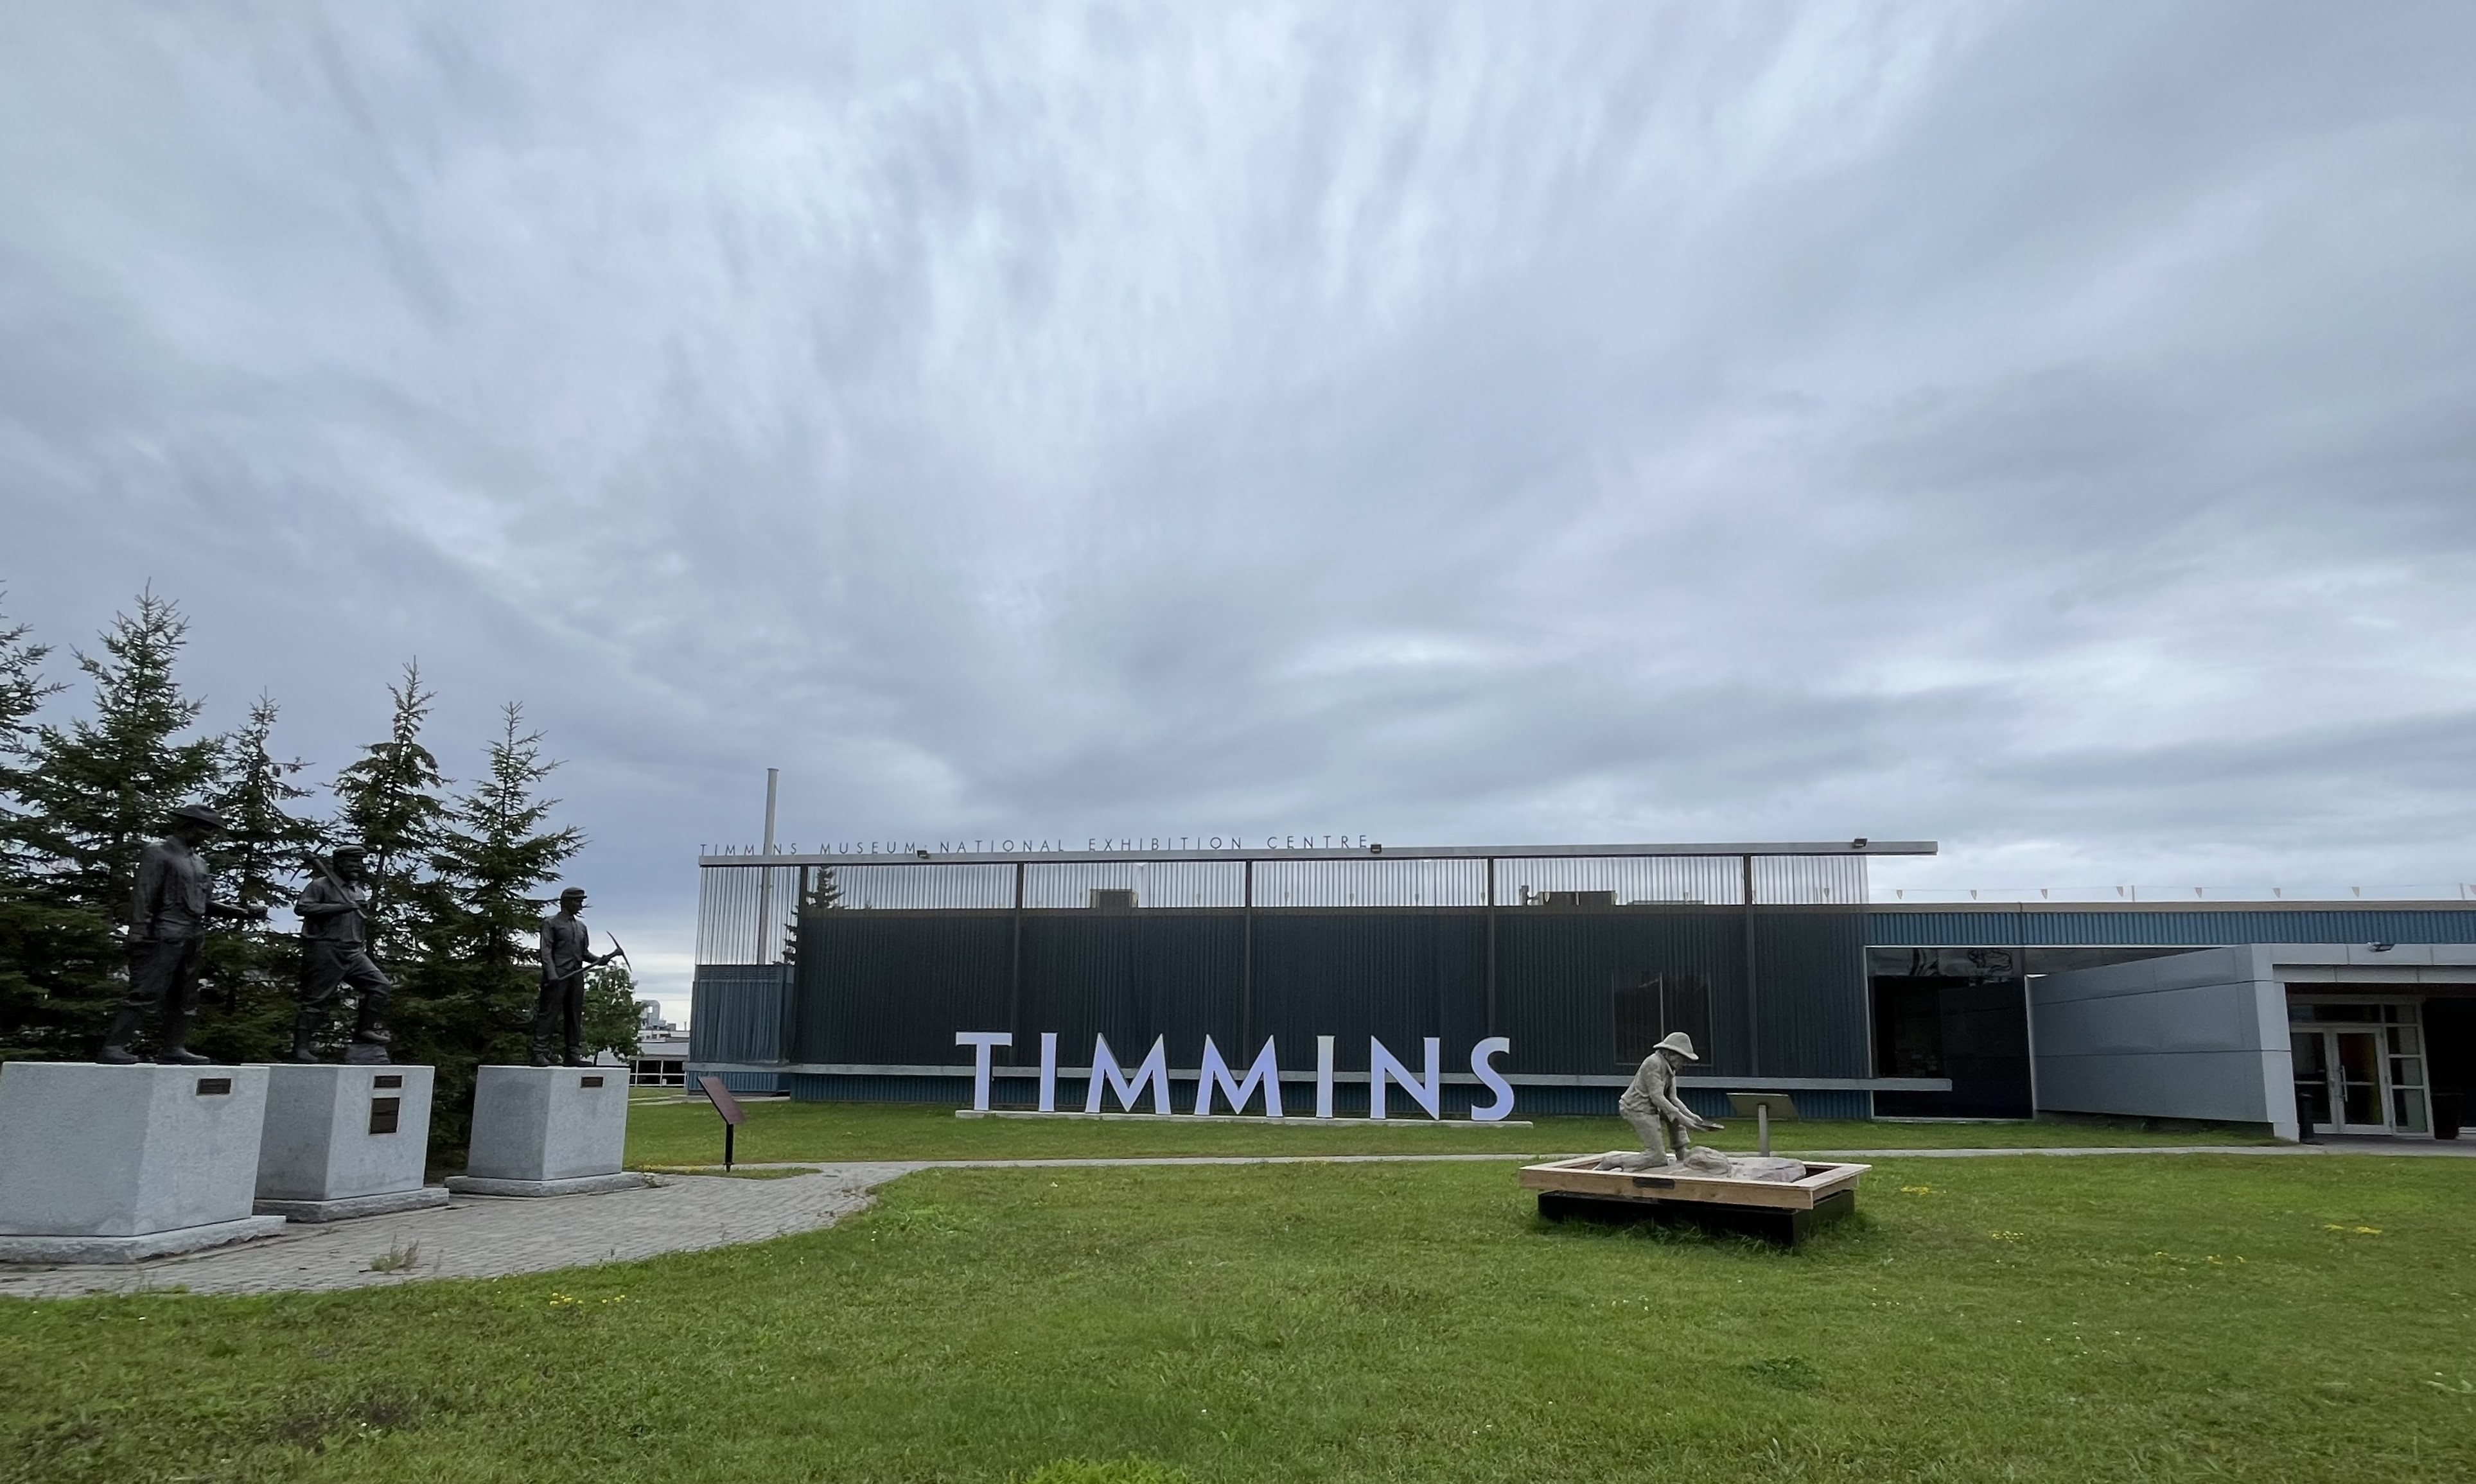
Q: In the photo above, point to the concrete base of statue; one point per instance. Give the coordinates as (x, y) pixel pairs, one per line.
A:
(547, 1131)
(345, 1207)
(120, 1164)
(345, 1141)
(579, 1185)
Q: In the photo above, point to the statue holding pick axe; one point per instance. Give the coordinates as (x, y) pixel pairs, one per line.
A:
(566, 952)
(334, 952)
(1652, 1105)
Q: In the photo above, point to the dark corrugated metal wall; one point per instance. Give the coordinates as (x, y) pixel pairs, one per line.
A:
(892, 988)
(1397, 974)
(1127, 975)
(1810, 970)
(1557, 973)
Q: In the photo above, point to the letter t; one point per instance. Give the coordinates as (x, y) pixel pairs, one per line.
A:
(980, 1040)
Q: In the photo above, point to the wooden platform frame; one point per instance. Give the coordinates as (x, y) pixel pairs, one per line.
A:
(1786, 1212)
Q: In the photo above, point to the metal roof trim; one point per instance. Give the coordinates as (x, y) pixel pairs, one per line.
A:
(918, 856)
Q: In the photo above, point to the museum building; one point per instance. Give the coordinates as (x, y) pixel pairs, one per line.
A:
(848, 975)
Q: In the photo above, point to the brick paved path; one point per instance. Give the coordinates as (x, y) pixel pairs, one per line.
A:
(479, 1237)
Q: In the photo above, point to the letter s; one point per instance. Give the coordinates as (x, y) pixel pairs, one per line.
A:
(1481, 1056)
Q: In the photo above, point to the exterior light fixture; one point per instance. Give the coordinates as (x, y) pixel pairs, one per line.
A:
(2381, 948)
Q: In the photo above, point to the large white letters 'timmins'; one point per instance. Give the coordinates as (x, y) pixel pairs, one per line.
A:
(1382, 1065)
(1265, 1072)
(1482, 1057)
(1154, 1070)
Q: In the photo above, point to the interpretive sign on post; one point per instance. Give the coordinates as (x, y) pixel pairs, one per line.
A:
(732, 1114)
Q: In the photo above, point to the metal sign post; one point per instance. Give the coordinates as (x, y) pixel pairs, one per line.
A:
(732, 1114)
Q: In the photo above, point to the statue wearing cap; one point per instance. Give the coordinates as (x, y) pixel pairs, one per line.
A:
(566, 952)
(1651, 1105)
(167, 933)
(334, 910)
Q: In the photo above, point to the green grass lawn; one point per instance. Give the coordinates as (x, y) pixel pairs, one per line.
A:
(691, 1133)
(2030, 1319)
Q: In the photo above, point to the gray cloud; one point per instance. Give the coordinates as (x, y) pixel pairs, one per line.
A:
(2040, 429)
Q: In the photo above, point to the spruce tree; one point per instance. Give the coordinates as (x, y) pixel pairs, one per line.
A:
(23, 691)
(24, 935)
(819, 891)
(480, 977)
(258, 864)
(94, 792)
(392, 801)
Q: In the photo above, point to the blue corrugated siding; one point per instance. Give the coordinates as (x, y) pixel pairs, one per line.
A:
(2094, 926)
(737, 1081)
(736, 1012)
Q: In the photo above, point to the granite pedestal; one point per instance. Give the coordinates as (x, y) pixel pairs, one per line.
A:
(120, 1164)
(345, 1141)
(548, 1132)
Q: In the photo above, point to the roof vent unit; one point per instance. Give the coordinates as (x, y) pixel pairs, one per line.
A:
(1575, 898)
(1113, 899)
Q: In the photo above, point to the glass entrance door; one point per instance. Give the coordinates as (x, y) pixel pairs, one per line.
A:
(2358, 1064)
(2339, 1080)
(2356, 1081)
(2312, 1076)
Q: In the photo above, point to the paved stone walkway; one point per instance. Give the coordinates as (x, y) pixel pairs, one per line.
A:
(481, 1237)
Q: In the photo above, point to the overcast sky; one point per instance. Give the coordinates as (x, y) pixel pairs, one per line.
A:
(2050, 430)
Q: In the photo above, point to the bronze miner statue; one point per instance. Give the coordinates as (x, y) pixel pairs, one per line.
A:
(334, 910)
(168, 932)
(566, 954)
